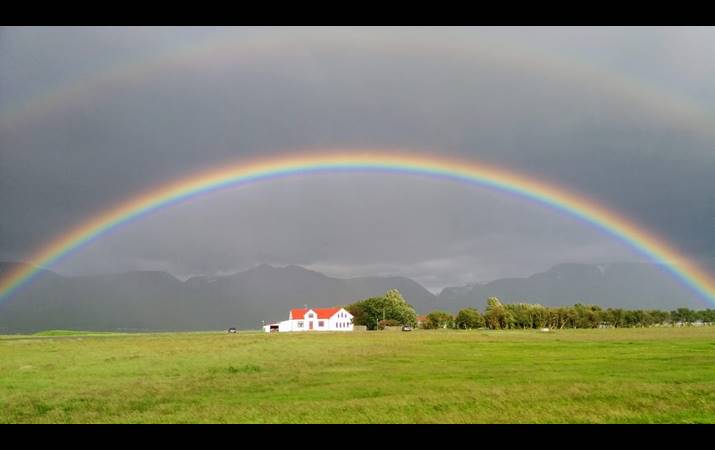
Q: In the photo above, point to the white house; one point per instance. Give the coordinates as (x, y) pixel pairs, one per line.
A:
(314, 319)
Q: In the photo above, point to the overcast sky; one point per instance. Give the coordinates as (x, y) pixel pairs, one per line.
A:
(89, 117)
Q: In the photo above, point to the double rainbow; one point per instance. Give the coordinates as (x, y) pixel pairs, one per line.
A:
(470, 172)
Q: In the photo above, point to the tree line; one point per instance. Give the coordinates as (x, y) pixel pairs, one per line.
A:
(500, 316)
(392, 309)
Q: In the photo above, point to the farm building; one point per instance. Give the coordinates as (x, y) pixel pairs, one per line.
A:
(314, 319)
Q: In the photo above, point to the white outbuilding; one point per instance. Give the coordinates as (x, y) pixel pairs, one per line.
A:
(314, 319)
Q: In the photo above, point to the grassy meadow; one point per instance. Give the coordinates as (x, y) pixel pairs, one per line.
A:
(646, 375)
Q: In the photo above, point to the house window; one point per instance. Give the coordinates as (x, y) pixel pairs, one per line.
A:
(300, 324)
(320, 323)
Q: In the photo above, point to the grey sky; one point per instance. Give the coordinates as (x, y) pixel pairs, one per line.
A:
(623, 115)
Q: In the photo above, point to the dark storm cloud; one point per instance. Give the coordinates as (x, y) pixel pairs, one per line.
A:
(398, 226)
(359, 88)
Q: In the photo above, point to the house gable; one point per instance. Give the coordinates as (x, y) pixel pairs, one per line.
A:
(319, 313)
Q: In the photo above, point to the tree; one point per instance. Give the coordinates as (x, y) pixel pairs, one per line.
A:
(683, 315)
(520, 315)
(526, 315)
(558, 317)
(587, 316)
(615, 317)
(496, 316)
(660, 317)
(439, 319)
(391, 306)
(469, 318)
(539, 316)
(708, 316)
(394, 295)
(398, 309)
(359, 312)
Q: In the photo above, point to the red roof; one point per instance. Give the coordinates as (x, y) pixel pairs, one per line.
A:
(323, 313)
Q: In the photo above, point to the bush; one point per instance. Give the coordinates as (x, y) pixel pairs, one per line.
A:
(388, 323)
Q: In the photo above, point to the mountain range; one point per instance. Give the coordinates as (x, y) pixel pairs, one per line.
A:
(152, 300)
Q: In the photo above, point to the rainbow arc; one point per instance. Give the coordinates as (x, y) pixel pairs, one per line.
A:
(609, 221)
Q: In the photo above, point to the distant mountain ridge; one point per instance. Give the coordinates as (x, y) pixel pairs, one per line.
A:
(154, 300)
(623, 285)
(158, 301)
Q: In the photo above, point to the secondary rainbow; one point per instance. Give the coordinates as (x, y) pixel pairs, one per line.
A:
(226, 47)
(468, 171)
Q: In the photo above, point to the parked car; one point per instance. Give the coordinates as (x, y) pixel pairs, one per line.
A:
(406, 328)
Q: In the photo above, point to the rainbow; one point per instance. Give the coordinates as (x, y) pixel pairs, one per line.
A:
(471, 172)
(225, 48)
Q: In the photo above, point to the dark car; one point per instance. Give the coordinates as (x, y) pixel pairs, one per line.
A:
(232, 330)
(406, 328)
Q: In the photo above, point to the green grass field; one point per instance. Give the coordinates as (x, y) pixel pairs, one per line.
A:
(623, 375)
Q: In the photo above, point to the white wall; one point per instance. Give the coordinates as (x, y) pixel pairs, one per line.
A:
(343, 318)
